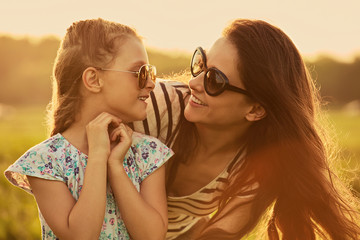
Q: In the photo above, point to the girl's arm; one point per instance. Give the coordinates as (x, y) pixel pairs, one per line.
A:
(82, 219)
(67, 218)
(144, 213)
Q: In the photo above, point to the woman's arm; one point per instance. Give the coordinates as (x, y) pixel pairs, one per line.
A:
(144, 213)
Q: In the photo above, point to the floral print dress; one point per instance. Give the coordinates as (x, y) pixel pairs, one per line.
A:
(57, 159)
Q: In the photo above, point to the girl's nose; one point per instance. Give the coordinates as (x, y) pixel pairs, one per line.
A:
(150, 85)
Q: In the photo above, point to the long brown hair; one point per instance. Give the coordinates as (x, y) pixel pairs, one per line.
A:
(86, 43)
(286, 151)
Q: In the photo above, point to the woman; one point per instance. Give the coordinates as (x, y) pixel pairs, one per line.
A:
(250, 146)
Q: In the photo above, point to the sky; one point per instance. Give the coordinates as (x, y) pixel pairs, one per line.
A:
(316, 26)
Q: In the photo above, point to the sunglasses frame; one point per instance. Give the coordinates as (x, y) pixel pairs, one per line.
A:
(142, 83)
(226, 85)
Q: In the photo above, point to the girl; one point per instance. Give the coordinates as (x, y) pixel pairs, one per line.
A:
(248, 146)
(86, 181)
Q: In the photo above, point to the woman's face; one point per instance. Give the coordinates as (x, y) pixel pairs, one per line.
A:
(121, 93)
(227, 109)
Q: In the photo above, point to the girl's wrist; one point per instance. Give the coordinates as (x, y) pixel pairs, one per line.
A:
(115, 164)
(115, 171)
(98, 156)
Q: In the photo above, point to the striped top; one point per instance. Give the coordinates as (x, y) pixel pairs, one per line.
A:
(185, 211)
(164, 113)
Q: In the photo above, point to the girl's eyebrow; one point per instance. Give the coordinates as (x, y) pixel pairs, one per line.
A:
(137, 64)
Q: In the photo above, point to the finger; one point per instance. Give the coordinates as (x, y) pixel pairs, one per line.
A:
(125, 129)
(129, 129)
(120, 133)
(115, 134)
(125, 135)
(106, 120)
(112, 121)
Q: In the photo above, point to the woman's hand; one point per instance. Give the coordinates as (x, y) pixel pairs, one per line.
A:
(121, 139)
(98, 134)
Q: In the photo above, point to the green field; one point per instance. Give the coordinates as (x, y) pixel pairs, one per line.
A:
(24, 127)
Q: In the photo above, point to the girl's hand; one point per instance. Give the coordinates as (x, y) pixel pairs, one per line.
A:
(121, 139)
(98, 134)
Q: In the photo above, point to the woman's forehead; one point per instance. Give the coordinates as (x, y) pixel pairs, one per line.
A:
(223, 56)
(222, 51)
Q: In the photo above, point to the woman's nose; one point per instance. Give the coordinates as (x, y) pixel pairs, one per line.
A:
(197, 83)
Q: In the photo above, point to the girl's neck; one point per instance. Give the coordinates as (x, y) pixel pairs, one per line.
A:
(76, 133)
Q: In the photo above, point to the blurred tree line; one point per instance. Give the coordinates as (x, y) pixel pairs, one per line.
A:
(26, 67)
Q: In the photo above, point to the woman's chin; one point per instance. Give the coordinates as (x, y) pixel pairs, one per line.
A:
(191, 117)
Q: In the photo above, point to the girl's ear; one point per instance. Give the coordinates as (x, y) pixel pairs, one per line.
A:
(92, 80)
(256, 113)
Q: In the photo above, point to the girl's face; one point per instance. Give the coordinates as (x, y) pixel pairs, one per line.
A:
(120, 92)
(227, 109)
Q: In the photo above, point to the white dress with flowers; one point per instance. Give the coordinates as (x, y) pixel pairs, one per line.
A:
(56, 159)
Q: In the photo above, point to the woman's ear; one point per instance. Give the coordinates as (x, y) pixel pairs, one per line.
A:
(92, 80)
(256, 113)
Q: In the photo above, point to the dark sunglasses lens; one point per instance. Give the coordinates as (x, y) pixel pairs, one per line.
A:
(145, 72)
(197, 63)
(214, 82)
(152, 72)
(143, 76)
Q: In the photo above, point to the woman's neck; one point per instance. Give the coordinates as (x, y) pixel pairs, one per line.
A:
(214, 141)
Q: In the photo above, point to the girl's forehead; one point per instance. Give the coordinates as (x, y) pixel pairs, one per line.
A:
(131, 53)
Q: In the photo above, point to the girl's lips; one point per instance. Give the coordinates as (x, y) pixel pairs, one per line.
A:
(143, 98)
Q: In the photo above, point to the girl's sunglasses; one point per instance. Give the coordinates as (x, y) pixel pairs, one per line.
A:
(215, 81)
(143, 74)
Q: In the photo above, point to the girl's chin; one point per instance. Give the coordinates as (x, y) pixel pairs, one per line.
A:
(139, 116)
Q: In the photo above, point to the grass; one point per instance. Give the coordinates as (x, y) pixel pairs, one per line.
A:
(24, 127)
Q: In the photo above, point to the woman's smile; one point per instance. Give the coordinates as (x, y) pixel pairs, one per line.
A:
(197, 101)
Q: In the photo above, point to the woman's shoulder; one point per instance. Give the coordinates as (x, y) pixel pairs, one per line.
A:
(171, 90)
(165, 110)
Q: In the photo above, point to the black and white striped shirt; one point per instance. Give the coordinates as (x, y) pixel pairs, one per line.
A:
(164, 112)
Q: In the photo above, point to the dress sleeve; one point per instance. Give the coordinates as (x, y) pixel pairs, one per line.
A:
(36, 162)
(152, 155)
(165, 110)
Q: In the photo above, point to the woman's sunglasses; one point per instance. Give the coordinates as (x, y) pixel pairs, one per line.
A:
(215, 81)
(143, 74)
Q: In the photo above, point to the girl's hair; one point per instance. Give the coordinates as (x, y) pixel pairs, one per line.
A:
(287, 154)
(86, 43)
